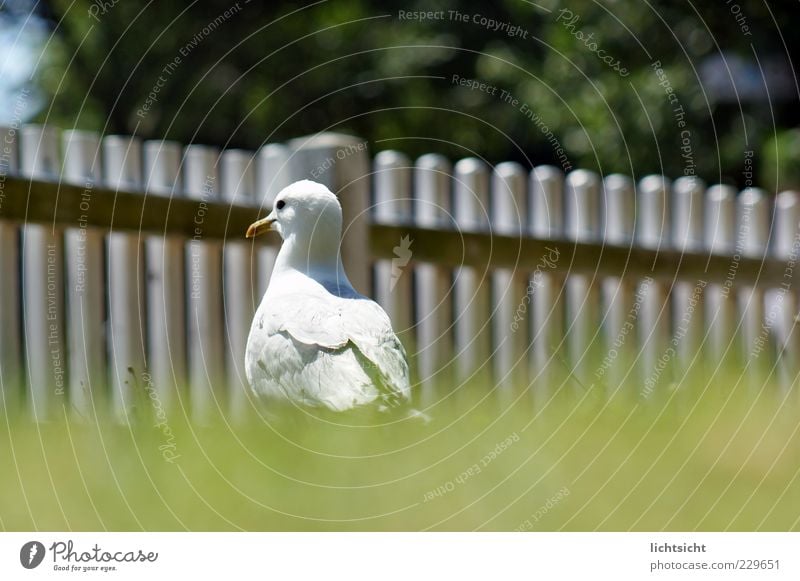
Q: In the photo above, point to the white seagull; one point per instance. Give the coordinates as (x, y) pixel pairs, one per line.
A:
(314, 340)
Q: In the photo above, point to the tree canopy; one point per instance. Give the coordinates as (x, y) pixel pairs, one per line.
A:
(616, 86)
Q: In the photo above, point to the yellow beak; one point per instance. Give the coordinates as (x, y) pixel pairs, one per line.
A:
(261, 226)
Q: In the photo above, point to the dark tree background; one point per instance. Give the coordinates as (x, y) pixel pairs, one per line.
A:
(269, 71)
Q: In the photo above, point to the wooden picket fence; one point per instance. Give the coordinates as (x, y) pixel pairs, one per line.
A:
(124, 267)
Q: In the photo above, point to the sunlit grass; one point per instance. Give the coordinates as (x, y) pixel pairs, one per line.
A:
(714, 455)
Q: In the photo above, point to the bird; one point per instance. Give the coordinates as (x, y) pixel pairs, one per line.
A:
(315, 342)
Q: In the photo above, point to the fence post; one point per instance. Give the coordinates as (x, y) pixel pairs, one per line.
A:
(392, 205)
(42, 282)
(653, 233)
(782, 303)
(273, 173)
(341, 162)
(204, 283)
(432, 174)
(754, 221)
(166, 292)
(688, 296)
(509, 285)
(240, 276)
(619, 307)
(472, 339)
(720, 308)
(582, 225)
(122, 170)
(546, 217)
(86, 337)
(11, 374)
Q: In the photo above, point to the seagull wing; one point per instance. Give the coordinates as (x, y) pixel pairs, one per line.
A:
(340, 325)
(284, 368)
(378, 343)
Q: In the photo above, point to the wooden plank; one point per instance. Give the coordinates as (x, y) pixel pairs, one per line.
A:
(124, 210)
(204, 288)
(581, 292)
(720, 243)
(478, 249)
(754, 219)
(782, 302)
(10, 348)
(86, 293)
(652, 232)
(42, 284)
(616, 366)
(545, 285)
(240, 279)
(273, 173)
(688, 297)
(472, 330)
(11, 370)
(392, 205)
(166, 291)
(432, 279)
(509, 286)
(273, 169)
(122, 168)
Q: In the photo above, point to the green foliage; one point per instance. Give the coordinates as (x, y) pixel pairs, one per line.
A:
(781, 169)
(272, 71)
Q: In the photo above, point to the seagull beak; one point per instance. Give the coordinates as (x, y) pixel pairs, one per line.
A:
(263, 225)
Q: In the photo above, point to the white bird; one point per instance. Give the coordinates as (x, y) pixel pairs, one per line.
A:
(314, 340)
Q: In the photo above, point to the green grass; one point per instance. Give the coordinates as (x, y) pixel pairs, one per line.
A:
(717, 455)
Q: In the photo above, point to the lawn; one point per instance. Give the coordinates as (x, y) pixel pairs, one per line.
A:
(718, 454)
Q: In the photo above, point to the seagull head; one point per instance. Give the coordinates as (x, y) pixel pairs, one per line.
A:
(308, 217)
(302, 209)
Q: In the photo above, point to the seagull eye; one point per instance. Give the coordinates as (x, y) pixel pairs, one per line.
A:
(280, 204)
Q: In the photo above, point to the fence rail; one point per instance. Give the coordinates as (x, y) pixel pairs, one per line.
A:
(124, 266)
(59, 204)
(479, 250)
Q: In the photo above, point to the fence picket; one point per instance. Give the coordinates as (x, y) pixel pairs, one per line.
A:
(204, 277)
(472, 340)
(653, 232)
(546, 218)
(782, 303)
(392, 205)
(720, 308)
(86, 309)
(42, 283)
(509, 285)
(688, 296)
(618, 293)
(432, 282)
(582, 296)
(11, 370)
(122, 170)
(240, 278)
(166, 291)
(754, 217)
(273, 173)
